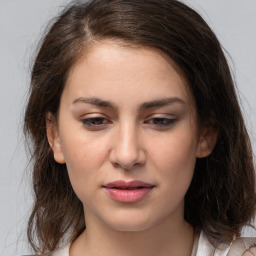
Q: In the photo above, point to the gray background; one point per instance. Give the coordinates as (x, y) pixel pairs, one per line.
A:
(22, 23)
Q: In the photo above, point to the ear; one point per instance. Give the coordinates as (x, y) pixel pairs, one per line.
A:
(54, 138)
(207, 141)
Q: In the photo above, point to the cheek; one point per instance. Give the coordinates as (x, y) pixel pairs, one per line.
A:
(175, 158)
(81, 151)
(84, 157)
(174, 162)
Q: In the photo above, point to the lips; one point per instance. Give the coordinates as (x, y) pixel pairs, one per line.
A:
(128, 192)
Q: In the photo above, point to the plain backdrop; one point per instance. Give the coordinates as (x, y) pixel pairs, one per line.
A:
(21, 24)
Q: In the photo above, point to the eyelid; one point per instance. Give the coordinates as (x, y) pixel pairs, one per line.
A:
(95, 121)
(161, 121)
(98, 121)
(161, 115)
(93, 114)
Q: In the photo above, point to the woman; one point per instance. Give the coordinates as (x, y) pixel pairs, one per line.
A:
(139, 143)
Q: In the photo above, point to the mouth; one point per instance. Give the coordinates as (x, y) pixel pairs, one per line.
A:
(128, 192)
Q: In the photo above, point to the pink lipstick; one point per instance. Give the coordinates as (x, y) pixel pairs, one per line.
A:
(128, 192)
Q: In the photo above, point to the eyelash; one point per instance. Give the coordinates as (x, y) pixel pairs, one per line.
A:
(162, 122)
(97, 123)
(94, 121)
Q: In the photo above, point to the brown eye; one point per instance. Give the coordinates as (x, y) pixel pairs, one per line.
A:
(160, 121)
(95, 121)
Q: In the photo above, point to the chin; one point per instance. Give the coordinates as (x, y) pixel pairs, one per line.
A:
(131, 224)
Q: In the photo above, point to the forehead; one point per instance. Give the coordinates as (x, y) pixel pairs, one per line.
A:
(108, 68)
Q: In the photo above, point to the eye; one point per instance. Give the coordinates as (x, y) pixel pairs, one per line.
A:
(161, 121)
(95, 122)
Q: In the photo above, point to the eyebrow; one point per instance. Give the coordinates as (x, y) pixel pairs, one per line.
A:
(146, 105)
(161, 103)
(95, 101)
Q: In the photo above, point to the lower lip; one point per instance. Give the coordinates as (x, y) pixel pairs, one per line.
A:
(128, 195)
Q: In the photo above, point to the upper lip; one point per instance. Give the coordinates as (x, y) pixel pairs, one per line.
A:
(128, 185)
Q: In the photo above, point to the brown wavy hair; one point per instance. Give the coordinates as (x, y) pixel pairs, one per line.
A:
(221, 197)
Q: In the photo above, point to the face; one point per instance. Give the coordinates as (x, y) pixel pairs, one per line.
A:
(127, 132)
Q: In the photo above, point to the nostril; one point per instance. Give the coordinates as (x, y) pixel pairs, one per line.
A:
(127, 158)
(121, 166)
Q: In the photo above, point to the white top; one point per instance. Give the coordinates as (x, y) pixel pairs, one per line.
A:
(205, 248)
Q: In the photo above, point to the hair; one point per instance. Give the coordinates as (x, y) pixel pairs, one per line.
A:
(221, 197)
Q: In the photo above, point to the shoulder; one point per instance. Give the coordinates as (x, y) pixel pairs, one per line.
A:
(205, 248)
(241, 246)
(63, 251)
(245, 244)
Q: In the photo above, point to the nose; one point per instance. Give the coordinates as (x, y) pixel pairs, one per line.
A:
(127, 151)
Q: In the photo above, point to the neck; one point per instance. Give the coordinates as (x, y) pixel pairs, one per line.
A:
(168, 238)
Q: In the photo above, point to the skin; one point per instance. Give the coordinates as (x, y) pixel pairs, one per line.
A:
(129, 138)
